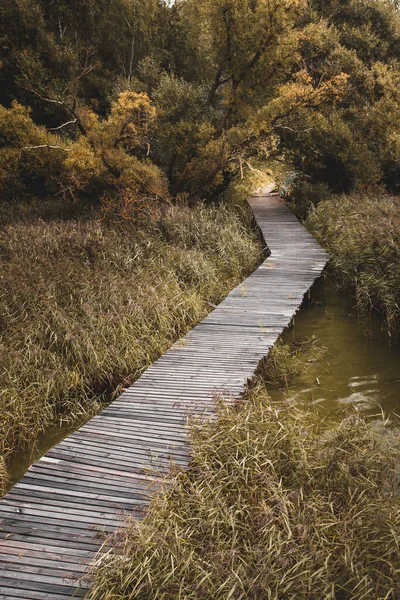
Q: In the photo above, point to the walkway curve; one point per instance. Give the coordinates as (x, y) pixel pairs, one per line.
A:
(51, 519)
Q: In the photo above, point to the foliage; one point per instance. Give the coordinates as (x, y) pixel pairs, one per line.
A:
(110, 158)
(226, 80)
(353, 142)
(285, 362)
(231, 82)
(362, 236)
(116, 295)
(277, 504)
(68, 50)
(30, 157)
(244, 53)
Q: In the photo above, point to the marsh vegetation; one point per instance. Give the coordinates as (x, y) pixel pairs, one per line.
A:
(278, 503)
(291, 492)
(86, 305)
(362, 235)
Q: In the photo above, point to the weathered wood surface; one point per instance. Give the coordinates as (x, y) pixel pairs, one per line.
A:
(52, 522)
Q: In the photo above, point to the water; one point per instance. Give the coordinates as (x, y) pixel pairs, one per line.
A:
(358, 368)
(355, 369)
(21, 460)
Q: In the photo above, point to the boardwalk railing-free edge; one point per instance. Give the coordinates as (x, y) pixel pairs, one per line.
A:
(51, 519)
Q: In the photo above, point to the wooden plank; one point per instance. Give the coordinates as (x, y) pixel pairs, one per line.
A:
(53, 521)
(39, 550)
(67, 568)
(7, 593)
(59, 545)
(64, 498)
(80, 521)
(17, 581)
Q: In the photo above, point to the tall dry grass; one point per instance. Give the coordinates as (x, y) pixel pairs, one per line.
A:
(362, 236)
(3, 475)
(277, 505)
(86, 305)
(287, 361)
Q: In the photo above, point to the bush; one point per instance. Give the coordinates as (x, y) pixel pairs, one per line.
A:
(28, 163)
(305, 196)
(109, 157)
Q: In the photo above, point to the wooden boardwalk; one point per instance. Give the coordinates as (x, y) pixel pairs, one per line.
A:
(53, 520)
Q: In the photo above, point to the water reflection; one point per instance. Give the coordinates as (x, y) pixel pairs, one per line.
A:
(356, 369)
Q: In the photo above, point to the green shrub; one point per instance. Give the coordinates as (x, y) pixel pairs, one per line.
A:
(109, 158)
(31, 159)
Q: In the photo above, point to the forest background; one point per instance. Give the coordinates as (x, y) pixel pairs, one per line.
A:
(130, 102)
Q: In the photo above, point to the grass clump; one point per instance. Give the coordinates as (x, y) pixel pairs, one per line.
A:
(87, 304)
(287, 361)
(3, 475)
(277, 505)
(362, 236)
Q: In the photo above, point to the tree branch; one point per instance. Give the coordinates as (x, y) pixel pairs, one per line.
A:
(293, 130)
(63, 125)
(132, 49)
(228, 27)
(256, 58)
(70, 111)
(46, 146)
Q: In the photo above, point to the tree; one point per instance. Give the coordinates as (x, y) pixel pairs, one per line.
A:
(241, 50)
(46, 44)
(232, 82)
(108, 159)
(354, 142)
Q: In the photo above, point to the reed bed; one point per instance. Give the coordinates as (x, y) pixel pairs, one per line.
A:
(87, 304)
(3, 475)
(278, 504)
(287, 361)
(362, 236)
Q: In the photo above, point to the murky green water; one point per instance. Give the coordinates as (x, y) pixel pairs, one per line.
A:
(355, 369)
(24, 457)
(358, 369)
